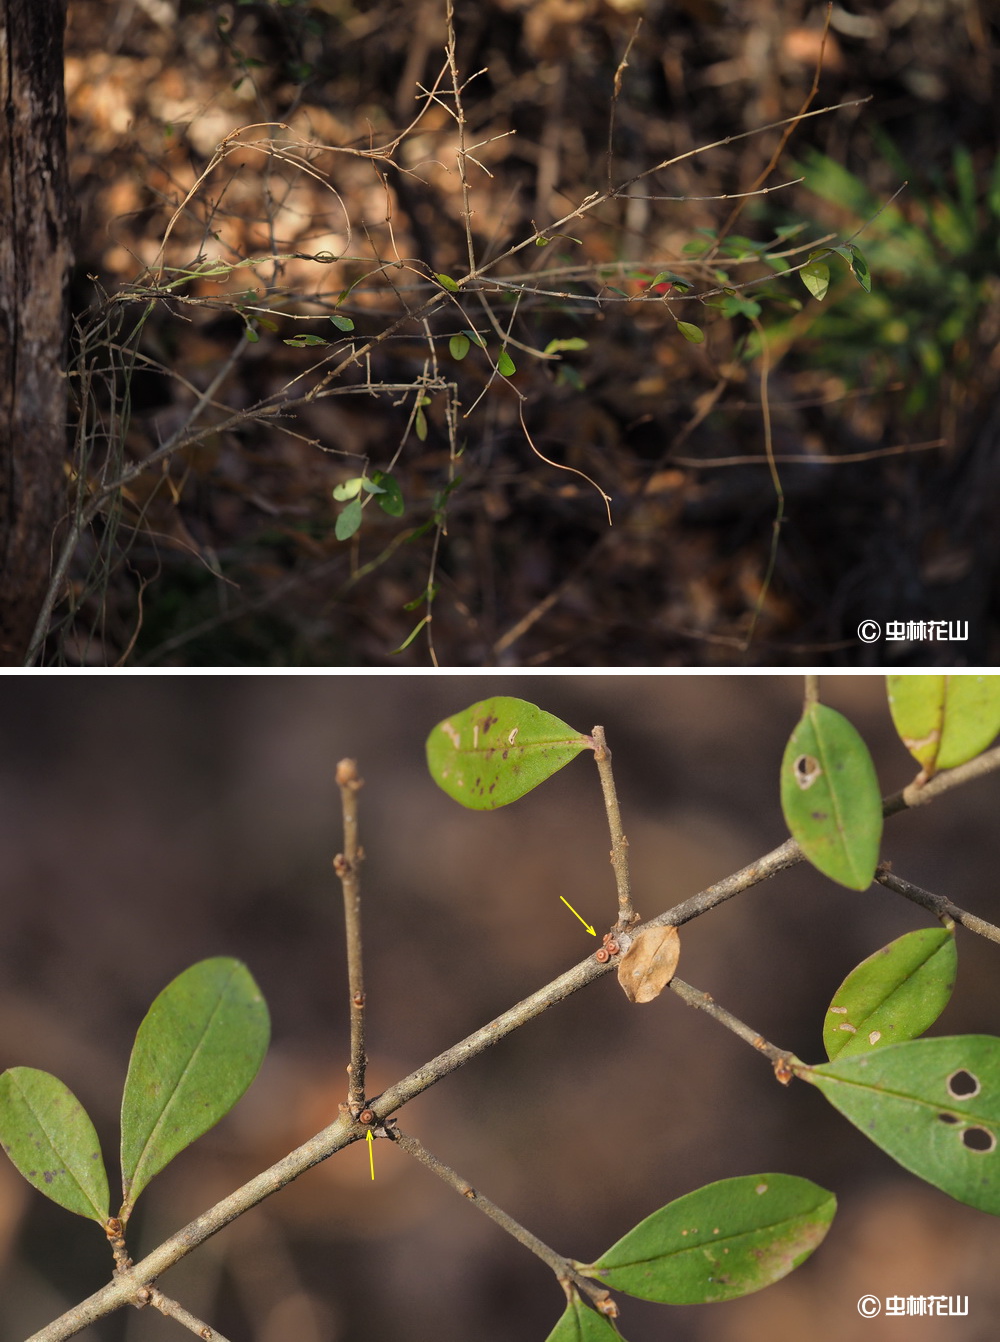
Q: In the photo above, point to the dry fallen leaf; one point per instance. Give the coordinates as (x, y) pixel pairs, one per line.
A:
(649, 963)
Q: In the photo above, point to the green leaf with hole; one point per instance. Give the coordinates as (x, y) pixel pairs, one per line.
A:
(497, 750)
(830, 797)
(815, 275)
(300, 341)
(197, 1050)
(945, 720)
(48, 1136)
(505, 364)
(894, 995)
(721, 1241)
(932, 1104)
(458, 346)
(580, 1324)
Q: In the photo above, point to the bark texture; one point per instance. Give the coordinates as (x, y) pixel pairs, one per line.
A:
(34, 273)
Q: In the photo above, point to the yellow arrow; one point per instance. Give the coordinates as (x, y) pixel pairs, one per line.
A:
(582, 920)
(371, 1152)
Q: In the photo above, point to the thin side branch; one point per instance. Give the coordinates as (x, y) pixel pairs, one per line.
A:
(916, 793)
(619, 844)
(347, 866)
(704, 1002)
(562, 1267)
(173, 1310)
(938, 904)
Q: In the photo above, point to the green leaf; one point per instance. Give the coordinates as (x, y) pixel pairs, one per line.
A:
(251, 335)
(420, 424)
(721, 1241)
(410, 636)
(815, 275)
(300, 341)
(348, 489)
(348, 521)
(894, 995)
(195, 1053)
(475, 338)
(860, 267)
(932, 1104)
(48, 1136)
(505, 364)
(446, 282)
(580, 1324)
(830, 797)
(342, 323)
(690, 332)
(391, 497)
(458, 346)
(497, 750)
(944, 720)
(557, 346)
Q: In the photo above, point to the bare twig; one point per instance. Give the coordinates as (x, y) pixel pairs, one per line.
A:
(704, 1002)
(173, 1310)
(562, 1267)
(811, 695)
(347, 866)
(938, 904)
(619, 844)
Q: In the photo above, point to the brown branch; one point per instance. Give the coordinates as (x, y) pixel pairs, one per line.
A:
(347, 866)
(173, 1310)
(619, 844)
(915, 794)
(561, 1266)
(938, 904)
(694, 997)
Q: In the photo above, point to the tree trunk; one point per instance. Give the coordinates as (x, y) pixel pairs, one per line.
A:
(34, 273)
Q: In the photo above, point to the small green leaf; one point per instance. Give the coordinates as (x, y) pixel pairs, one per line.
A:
(580, 1324)
(721, 1241)
(894, 995)
(446, 282)
(505, 364)
(300, 341)
(557, 346)
(816, 277)
(251, 335)
(932, 1104)
(475, 338)
(420, 424)
(691, 332)
(410, 636)
(348, 521)
(197, 1050)
(391, 496)
(371, 486)
(458, 346)
(830, 797)
(860, 267)
(945, 720)
(497, 750)
(48, 1136)
(348, 489)
(342, 323)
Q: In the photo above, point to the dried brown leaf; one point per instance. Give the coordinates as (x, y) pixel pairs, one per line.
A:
(649, 963)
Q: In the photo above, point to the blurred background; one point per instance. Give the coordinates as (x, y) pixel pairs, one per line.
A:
(148, 823)
(884, 406)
